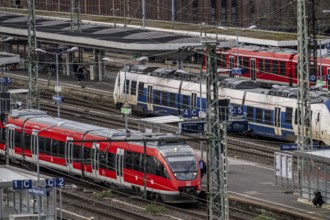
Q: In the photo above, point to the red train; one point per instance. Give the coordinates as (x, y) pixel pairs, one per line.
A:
(172, 173)
(268, 66)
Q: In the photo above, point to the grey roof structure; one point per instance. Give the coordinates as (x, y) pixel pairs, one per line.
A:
(97, 36)
(8, 58)
(9, 173)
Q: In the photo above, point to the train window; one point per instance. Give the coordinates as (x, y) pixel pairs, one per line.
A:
(222, 60)
(288, 115)
(17, 139)
(268, 117)
(259, 115)
(249, 112)
(185, 101)
(54, 144)
(156, 97)
(172, 99)
(126, 87)
(128, 159)
(48, 147)
(160, 171)
(231, 62)
(141, 89)
(3, 135)
(41, 145)
(151, 166)
(267, 66)
(87, 156)
(165, 100)
(76, 153)
(61, 149)
(246, 61)
(137, 161)
(295, 70)
(275, 66)
(27, 139)
(133, 88)
(103, 160)
(282, 68)
(261, 65)
(111, 161)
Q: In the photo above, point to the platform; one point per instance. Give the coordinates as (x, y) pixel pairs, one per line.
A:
(19, 195)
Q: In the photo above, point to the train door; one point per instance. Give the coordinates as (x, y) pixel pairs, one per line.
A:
(69, 154)
(120, 165)
(231, 62)
(277, 121)
(328, 73)
(149, 98)
(95, 162)
(253, 69)
(35, 145)
(316, 123)
(193, 101)
(11, 141)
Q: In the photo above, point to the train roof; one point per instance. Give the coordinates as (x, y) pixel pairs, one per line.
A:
(159, 140)
(275, 50)
(316, 95)
(161, 72)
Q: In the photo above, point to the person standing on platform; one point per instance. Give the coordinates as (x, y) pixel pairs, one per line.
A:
(80, 74)
(202, 167)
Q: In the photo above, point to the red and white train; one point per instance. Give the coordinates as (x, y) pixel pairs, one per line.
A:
(268, 66)
(172, 171)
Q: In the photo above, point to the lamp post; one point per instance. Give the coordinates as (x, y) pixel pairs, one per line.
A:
(237, 32)
(57, 88)
(7, 39)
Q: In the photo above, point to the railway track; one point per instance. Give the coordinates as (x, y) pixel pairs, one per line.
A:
(100, 210)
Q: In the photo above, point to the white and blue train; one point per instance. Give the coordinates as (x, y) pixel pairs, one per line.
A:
(271, 112)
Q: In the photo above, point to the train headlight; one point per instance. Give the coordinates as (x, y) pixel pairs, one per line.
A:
(195, 174)
(175, 174)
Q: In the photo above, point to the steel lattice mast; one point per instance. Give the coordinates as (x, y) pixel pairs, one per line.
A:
(75, 16)
(304, 107)
(34, 94)
(312, 41)
(217, 188)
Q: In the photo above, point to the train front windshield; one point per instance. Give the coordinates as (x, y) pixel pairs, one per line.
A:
(183, 167)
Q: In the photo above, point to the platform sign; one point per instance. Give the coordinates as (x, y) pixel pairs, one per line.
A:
(126, 111)
(189, 113)
(312, 78)
(192, 127)
(328, 77)
(39, 191)
(289, 146)
(236, 71)
(22, 184)
(58, 98)
(236, 110)
(55, 182)
(5, 80)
